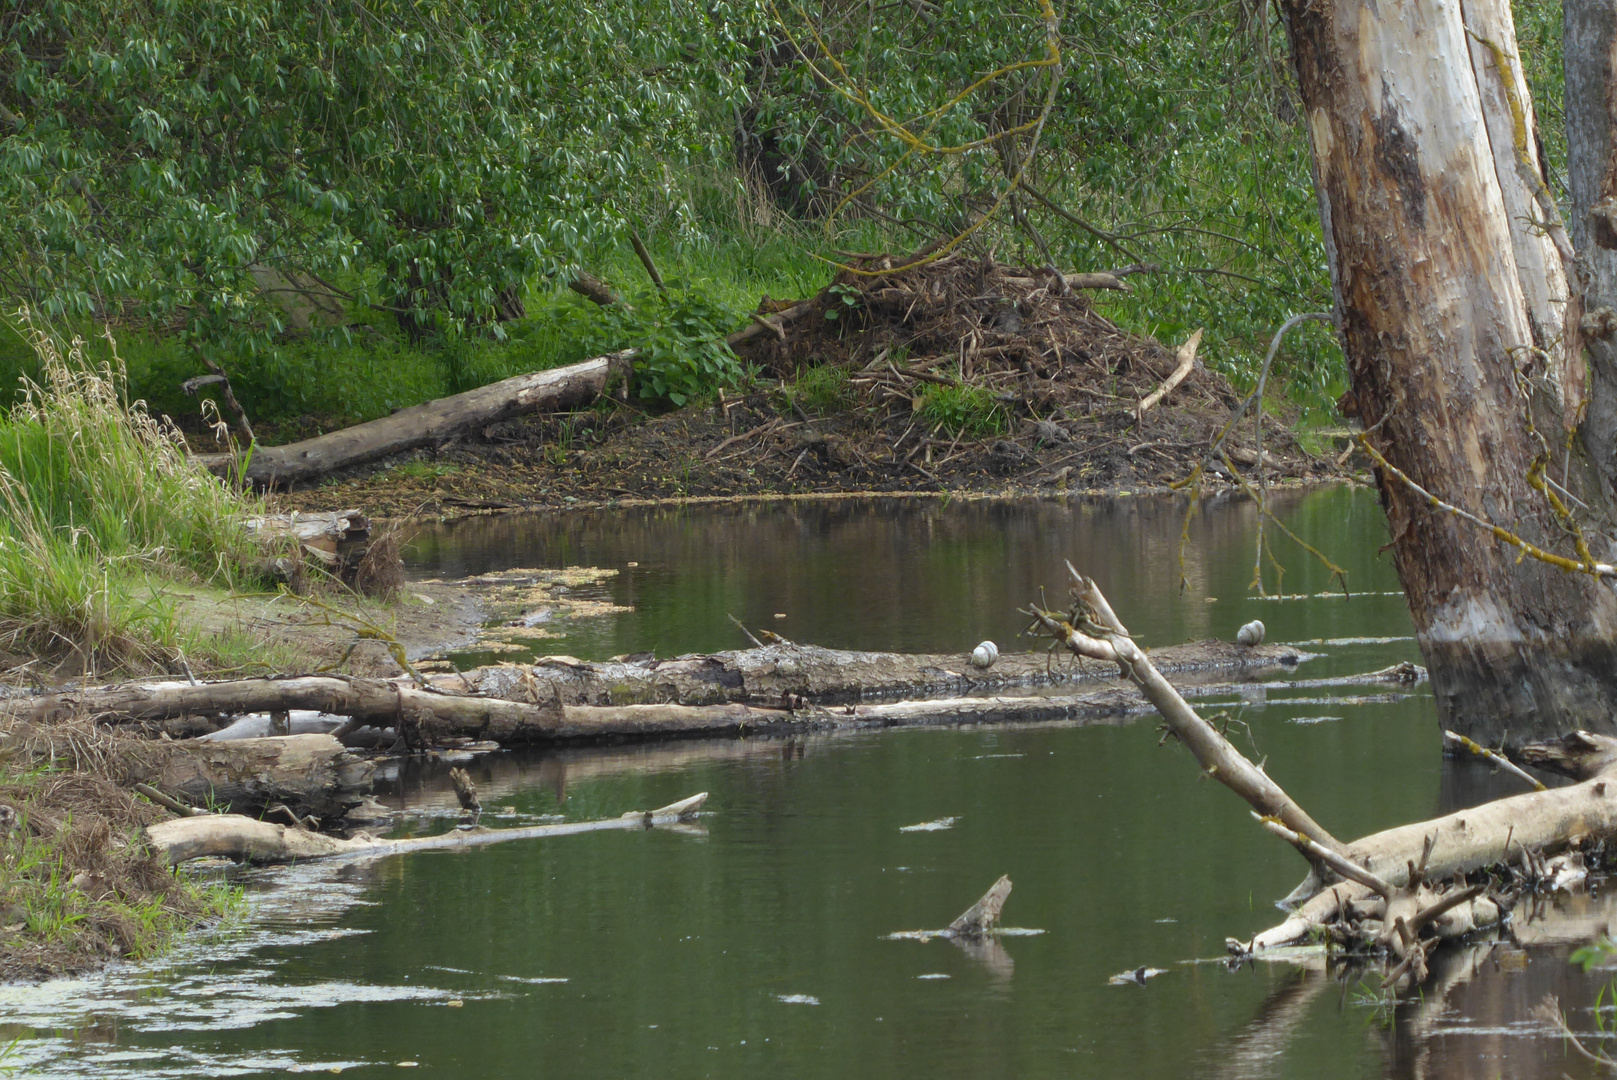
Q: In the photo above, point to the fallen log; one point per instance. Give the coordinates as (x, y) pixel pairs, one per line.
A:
(436, 422)
(769, 675)
(313, 774)
(428, 424)
(1395, 865)
(245, 839)
(738, 692)
(425, 712)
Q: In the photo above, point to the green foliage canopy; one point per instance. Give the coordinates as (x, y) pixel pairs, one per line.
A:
(171, 159)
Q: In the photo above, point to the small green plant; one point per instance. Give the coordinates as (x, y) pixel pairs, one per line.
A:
(679, 335)
(823, 389)
(1597, 953)
(427, 470)
(962, 410)
(841, 299)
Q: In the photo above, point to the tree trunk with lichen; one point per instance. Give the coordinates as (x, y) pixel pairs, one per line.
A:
(1450, 306)
(1589, 30)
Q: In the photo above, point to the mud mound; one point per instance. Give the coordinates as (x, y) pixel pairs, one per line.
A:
(1029, 336)
(961, 376)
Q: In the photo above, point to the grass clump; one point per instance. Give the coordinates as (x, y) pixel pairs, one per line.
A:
(78, 886)
(98, 506)
(823, 389)
(962, 410)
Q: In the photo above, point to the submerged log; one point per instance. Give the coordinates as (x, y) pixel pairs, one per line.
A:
(244, 839)
(983, 916)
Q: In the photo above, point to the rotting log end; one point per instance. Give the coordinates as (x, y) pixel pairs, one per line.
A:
(983, 916)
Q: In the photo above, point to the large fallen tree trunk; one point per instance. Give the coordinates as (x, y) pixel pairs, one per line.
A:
(437, 422)
(244, 839)
(429, 424)
(777, 687)
(769, 675)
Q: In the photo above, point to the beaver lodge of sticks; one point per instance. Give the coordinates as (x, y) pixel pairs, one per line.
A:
(962, 374)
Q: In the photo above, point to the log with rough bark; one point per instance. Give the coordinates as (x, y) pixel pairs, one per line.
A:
(1448, 263)
(313, 774)
(769, 675)
(426, 713)
(775, 688)
(244, 839)
(590, 723)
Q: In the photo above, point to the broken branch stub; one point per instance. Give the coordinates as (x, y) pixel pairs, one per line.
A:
(983, 916)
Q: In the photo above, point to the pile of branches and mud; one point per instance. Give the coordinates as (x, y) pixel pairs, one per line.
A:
(960, 374)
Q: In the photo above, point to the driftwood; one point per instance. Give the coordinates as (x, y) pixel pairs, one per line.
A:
(437, 422)
(429, 424)
(375, 701)
(244, 839)
(1379, 883)
(767, 676)
(1187, 360)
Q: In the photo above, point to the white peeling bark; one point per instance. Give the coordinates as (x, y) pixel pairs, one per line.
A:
(1444, 292)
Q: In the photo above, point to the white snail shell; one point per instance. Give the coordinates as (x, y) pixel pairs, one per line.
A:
(1251, 633)
(984, 655)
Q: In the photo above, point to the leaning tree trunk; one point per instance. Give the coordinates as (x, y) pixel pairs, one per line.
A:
(1444, 292)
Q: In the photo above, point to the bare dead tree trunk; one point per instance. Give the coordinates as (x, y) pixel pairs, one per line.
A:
(1441, 302)
(1589, 28)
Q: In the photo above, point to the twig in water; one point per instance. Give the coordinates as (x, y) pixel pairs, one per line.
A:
(756, 643)
(1497, 758)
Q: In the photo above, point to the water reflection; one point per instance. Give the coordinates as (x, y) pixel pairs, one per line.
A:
(922, 576)
(761, 945)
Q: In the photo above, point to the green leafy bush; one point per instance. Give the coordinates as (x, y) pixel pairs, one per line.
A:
(679, 335)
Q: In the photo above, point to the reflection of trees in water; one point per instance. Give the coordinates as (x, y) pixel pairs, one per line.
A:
(891, 573)
(424, 784)
(1472, 1020)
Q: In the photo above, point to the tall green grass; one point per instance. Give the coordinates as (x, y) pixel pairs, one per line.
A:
(98, 503)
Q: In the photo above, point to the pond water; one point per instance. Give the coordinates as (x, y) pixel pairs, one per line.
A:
(759, 943)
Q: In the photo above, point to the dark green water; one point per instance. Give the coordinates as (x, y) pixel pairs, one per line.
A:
(759, 946)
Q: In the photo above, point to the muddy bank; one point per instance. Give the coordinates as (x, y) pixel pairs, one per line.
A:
(962, 376)
(627, 458)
